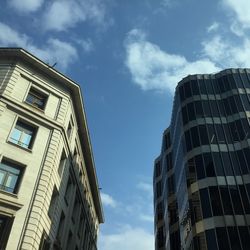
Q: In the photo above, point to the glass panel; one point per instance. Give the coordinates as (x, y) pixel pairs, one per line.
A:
(222, 238)
(195, 87)
(227, 164)
(198, 109)
(215, 201)
(209, 165)
(236, 199)
(15, 136)
(244, 235)
(245, 199)
(10, 184)
(205, 203)
(184, 115)
(206, 109)
(195, 137)
(218, 164)
(191, 113)
(226, 200)
(211, 240)
(187, 89)
(203, 135)
(199, 167)
(234, 238)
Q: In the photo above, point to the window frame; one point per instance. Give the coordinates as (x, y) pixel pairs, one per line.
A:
(38, 94)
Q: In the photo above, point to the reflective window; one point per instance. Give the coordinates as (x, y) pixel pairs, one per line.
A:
(203, 135)
(195, 137)
(23, 134)
(234, 238)
(209, 87)
(220, 133)
(218, 164)
(191, 112)
(181, 91)
(198, 109)
(242, 162)
(227, 164)
(236, 199)
(209, 165)
(222, 238)
(199, 167)
(36, 98)
(10, 176)
(226, 83)
(211, 240)
(205, 203)
(235, 163)
(231, 81)
(195, 87)
(215, 201)
(184, 115)
(214, 109)
(188, 140)
(238, 103)
(202, 87)
(244, 236)
(226, 201)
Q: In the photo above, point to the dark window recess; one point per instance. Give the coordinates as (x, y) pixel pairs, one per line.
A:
(23, 134)
(202, 85)
(234, 133)
(195, 137)
(68, 192)
(182, 95)
(10, 176)
(215, 201)
(69, 241)
(199, 167)
(211, 240)
(169, 161)
(205, 203)
(187, 89)
(244, 236)
(203, 135)
(184, 115)
(240, 130)
(209, 165)
(45, 242)
(227, 108)
(245, 199)
(198, 109)
(160, 237)
(221, 108)
(216, 86)
(236, 199)
(5, 228)
(157, 169)
(222, 238)
(158, 189)
(234, 238)
(220, 133)
(227, 164)
(247, 155)
(188, 140)
(235, 163)
(167, 141)
(195, 87)
(226, 200)
(206, 109)
(36, 98)
(191, 173)
(238, 80)
(60, 230)
(242, 162)
(62, 163)
(218, 164)
(214, 109)
(191, 112)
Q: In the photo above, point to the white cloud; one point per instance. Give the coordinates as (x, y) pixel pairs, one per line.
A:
(108, 200)
(25, 6)
(153, 68)
(63, 14)
(213, 27)
(86, 44)
(147, 218)
(241, 9)
(147, 187)
(127, 238)
(54, 50)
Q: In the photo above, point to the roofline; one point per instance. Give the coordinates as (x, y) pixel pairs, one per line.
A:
(17, 52)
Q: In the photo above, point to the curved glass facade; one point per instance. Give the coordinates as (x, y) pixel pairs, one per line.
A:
(202, 176)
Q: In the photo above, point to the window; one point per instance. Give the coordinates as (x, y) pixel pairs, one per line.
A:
(68, 192)
(10, 175)
(211, 240)
(60, 229)
(226, 201)
(222, 238)
(36, 99)
(215, 201)
(205, 203)
(5, 227)
(23, 134)
(62, 163)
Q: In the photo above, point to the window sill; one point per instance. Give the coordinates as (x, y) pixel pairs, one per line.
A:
(36, 108)
(14, 144)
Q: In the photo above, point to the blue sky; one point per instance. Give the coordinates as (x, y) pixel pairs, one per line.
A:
(128, 56)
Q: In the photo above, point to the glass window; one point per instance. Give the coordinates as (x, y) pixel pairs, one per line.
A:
(231, 81)
(226, 201)
(205, 203)
(221, 107)
(234, 133)
(227, 133)
(235, 163)
(209, 165)
(221, 85)
(238, 103)
(218, 164)
(206, 108)
(53, 202)
(238, 80)
(181, 91)
(215, 201)
(203, 135)
(211, 240)
(245, 199)
(202, 87)
(187, 89)
(227, 164)
(209, 87)
(245, 102)
(216, 86)
(240, 130)
(5, 228)
(236, 199)
(158, 189)
(199, 167)
(234, 238)
(195, 137)
(195, 87)
(245, 79)
(214, 109)
(222, 238)
(226, 83)
(68, 192)
(211, 134)
(188, 140)
(244, 236)
(157, 169)
(198, 109)
(242, 162)
(220, 133)
(191, 113)
(232, 103)
(10, 175)
(184, 115)
(36, 98)
(23, 134)
(62, 163)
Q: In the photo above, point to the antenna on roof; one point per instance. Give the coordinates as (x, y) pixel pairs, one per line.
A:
(54, 65)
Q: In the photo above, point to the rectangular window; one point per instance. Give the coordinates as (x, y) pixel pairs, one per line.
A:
(23, 134)
(62, 163)
(36, 99)
(10, 176)
(5, 227)
(53, 203)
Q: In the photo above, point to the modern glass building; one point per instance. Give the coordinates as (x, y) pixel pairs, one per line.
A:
(202, 176)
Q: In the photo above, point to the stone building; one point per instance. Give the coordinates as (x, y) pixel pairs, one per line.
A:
(49, 193)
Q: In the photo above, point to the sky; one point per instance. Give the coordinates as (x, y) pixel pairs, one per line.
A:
(128, 56)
